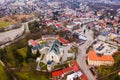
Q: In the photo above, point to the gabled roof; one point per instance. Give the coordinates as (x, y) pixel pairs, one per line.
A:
(57, 25)
(60, 72)
(62, 40)
(55, 47)
(57, 73)
(32, 42)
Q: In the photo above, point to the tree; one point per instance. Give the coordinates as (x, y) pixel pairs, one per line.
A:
(18, 58)
(36, 24)
(30, 55)
(4, 55)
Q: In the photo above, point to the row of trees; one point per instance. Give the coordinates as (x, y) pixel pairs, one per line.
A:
(30, 56)
(3, 55)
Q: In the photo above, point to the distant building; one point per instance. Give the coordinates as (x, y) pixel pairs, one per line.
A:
(49, 37)
(62, 40)
(97, 60)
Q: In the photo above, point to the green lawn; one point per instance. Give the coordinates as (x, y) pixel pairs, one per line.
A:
(3, 75)
(61, 66)
(22, 51)
(32, 76)
(4, 24)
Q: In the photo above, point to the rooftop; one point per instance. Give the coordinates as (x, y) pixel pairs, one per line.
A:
(55, 47)
(93, 56)
(62, 40)
(32, 42)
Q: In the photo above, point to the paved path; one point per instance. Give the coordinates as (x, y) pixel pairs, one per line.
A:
(6, 38)
(81, 58)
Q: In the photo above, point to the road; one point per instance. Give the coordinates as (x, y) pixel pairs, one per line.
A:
(6, 38)
(81, 58)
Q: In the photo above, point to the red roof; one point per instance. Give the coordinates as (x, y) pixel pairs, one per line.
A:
(76, 68)
(57, 25)
(67, 70)
(84, 77)
(93, 56)
(47, 21)
(57, 73)
(60, 72)
(32, 42)
(64, 41)
(65, 29)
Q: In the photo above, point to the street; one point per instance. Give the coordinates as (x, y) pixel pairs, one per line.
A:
(81, 58)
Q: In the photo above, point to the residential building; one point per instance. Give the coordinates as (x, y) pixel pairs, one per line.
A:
(34, 46)
(49, 37)
(98, 60)
(70, 73)
(104, 48)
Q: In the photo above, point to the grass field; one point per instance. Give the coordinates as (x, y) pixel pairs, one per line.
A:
(32, 76)
(4, 24)
(22, 51)
(3, 75)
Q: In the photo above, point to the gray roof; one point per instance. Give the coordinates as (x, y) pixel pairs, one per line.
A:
(55, 47)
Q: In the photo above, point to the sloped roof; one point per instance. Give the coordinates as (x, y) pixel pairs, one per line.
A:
(62, 40)
(55, 47)
(93, 56)
(60, 72)
(32, 42)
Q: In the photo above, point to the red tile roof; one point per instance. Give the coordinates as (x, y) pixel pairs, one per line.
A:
(74, 67)
(62, 40)
(67, 70)
(57, 25)
(93, 56)
(57, 73)
(84, 77)
(32, 42)
(60, 72)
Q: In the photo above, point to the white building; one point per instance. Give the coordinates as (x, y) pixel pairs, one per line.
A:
(55, 52)
(104, 48)
(72, 76)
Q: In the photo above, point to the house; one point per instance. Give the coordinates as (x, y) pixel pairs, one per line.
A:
(98, 60)
(33, 43)
(62, 40)
(69, 73)
(104, 48)
(61, 73)
(48, 37)
(75, 75)
(48, 22)
(34, 46)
